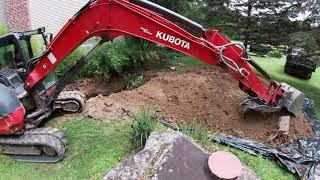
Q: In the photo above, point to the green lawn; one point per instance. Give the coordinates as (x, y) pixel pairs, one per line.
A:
(94, 148)
(310, 87)
(179, 61)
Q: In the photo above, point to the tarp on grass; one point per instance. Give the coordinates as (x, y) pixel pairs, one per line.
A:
(301, 157)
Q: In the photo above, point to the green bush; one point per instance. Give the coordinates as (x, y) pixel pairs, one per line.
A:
(135, 81)
(260, 49)
(3, 30)
(141, 51)
(124, 55)
(275, 53)
(108, 59)
(144, 122)
(306, 40)
(70, 60)
(121, 55)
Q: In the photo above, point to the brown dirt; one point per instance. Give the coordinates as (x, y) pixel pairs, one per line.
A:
(95, 87)
(206, 95)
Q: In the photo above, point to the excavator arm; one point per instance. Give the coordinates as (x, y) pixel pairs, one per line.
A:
(109, 19)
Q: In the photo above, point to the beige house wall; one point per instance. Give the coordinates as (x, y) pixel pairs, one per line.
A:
(3, 16)
(53, 14)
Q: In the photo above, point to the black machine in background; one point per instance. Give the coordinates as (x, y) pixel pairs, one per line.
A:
(300, 64)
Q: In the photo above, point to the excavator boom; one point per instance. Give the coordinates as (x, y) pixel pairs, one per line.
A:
(110, 19)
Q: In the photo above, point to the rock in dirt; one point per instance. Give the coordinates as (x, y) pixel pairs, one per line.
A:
(208, 96)
(168, 155)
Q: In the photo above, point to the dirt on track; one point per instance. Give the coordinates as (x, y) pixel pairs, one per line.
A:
(206, 95)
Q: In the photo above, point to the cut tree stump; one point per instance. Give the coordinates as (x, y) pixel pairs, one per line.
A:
(225, 166)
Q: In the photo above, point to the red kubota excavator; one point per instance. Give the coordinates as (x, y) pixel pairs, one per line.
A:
(30, 91)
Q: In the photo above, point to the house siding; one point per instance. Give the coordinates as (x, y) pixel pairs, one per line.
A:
(53, 14)
(3, 17)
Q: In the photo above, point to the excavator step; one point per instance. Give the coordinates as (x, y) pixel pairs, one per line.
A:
(41, 145)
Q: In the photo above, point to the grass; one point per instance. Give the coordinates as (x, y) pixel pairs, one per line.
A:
(310, 87)
(179, 61)
(144, 123)
(94, 148)
(264, 168)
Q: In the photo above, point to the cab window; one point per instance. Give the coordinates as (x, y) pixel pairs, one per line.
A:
(8, 55)
(25, 50)
(38, 45)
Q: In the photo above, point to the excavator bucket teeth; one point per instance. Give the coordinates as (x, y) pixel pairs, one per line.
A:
(292, 100)
(254, 104)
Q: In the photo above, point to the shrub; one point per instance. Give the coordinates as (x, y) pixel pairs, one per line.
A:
(108, 59)
(306, 40)
(120, 56)
(144, 122)
(260, 49)
(135, 81)
(70, 60)
(275, 53)
(141, 51)
(3, 30)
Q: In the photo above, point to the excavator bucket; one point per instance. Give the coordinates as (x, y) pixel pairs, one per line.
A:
(292, 100)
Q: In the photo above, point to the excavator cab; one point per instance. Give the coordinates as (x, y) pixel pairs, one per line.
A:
(17, 50)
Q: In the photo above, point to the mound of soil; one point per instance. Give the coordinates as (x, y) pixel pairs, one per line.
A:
(206, 95)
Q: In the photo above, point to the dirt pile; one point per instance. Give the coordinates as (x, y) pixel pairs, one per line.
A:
(207, 95)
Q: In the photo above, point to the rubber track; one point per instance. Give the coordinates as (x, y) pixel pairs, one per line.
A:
(73, 95)
(42, 137)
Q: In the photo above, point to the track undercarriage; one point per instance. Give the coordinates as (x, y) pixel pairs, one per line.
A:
(40, 145)
(43, 145)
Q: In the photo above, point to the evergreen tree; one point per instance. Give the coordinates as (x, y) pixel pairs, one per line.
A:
(218, 15)
(266, 21)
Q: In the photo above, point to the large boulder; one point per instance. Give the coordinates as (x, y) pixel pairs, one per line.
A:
(168, 155)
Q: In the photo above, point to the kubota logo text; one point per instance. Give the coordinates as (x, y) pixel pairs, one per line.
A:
(173, 40)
